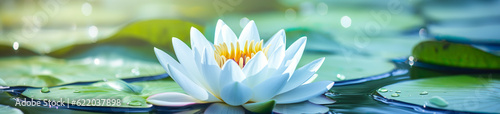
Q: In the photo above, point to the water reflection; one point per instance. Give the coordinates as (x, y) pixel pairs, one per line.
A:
(135, 71)
(15, 45)
(340, 77)
(411, 60)
(3, 87)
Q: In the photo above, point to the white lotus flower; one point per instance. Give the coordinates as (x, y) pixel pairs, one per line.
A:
(243, 72)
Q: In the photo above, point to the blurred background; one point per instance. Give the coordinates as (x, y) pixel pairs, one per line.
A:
(359, 38)
(44, 26)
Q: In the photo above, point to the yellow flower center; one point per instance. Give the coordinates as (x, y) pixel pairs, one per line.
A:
(241, 56)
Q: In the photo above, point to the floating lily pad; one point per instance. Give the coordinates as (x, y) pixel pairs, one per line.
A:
(131, 95)
(343, 68)
(9, 110)
(478, 94)
(41, 71)
(320, 42)
(455, 55)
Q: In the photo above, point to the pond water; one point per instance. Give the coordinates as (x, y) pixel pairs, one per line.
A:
(352, 96)
(362, 42)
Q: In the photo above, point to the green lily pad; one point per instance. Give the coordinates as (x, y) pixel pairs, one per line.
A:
(468, 93)
(9, 110)
(41, 71)
(9, 50)
(339, 68)
(455, 55)
(126, 95)
(321, 42)
(2, 83)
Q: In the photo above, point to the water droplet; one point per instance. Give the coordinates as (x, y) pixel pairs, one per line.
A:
(438, 101)
(97, 61)
(398, 91)
(411, 60)
(45, 90)
(15, 45)
(345, 21)
(390, 90)
(394, 95)
(322, 8)
(134, 103)
(86, 9)
(340, 77)
(383, 90)
(290, 14)
(76, 91)
(93, 32)
(244, 21)
(135, 71)
(424, 93)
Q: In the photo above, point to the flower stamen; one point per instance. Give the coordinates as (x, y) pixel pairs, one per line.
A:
(241, 56)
